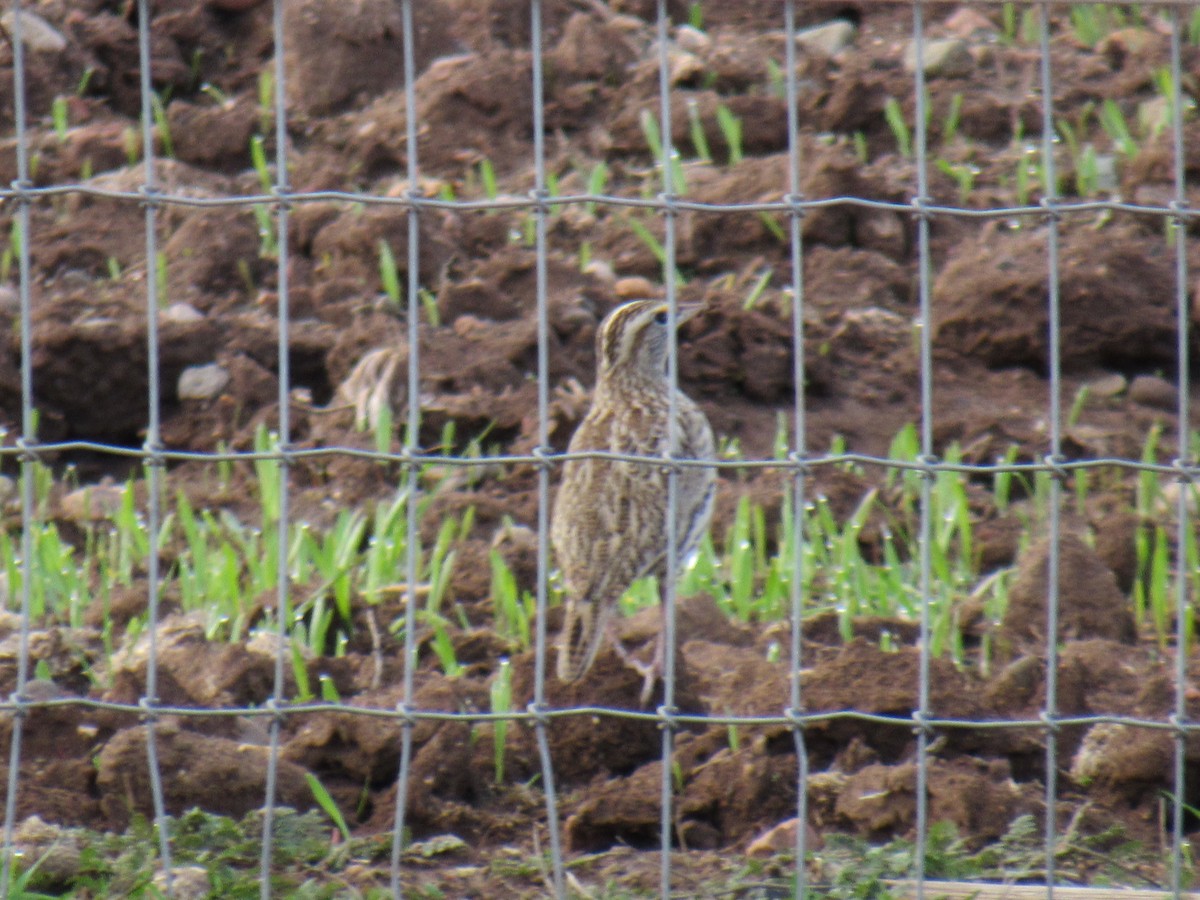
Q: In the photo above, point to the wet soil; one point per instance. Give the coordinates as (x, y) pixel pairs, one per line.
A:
(348, 347)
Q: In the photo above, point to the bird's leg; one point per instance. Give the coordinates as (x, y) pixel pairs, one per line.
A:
(650, 671)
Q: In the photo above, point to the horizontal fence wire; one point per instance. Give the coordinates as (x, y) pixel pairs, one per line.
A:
(797, 464)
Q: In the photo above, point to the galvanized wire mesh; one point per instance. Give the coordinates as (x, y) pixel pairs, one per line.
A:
(800, 462)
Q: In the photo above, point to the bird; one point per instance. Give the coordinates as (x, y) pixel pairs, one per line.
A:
(609, 521)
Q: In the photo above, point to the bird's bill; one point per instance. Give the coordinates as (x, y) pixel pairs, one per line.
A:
(683, 311)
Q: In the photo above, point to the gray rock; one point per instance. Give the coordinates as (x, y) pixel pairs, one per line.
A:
(1150, 390)
(10, 300)
(692, 40)
(91, 503)
(202, 382)
(40, 36)
(827, 39)
(948, 57)
(181, 313)
(1108, 386)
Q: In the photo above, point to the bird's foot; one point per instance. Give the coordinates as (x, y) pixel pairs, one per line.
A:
(651, 672)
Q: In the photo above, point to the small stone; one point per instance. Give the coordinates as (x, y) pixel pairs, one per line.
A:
(10, 300)
(92, 503)
(186, 883)
(683, 66)
(1150, 390)
(948, 57)
(635, 287)
(782, 839)
(601, 270)
(233, 5)
(1107, 386)
(1154, 115)
(966, 22)
(202, 382)
(181, 313)
(40, 36)
(827, 39)
(692, 40)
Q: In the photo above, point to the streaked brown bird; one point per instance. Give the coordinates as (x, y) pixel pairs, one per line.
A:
(609, 524)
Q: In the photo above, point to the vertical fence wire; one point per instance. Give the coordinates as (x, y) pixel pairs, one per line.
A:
(924, 267)
(1184, 461)
(1050, 197)
(796, 472)
(411, 436)
(28, 440)
(543, 473)
(671, 525)
(283, 442)
(153, 443)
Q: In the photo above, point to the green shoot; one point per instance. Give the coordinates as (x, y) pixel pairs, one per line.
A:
(501, 700)
(596, 184)
(699, 141)
(731, 130)
(162, 125)
(58, 115)
(756, 292)
(487, 177)
(327, 804)
(389, 275)
(894, 116)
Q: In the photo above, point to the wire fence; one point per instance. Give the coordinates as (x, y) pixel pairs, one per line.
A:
(800, 463)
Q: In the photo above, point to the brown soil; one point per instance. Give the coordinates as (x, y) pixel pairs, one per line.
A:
(347, 129)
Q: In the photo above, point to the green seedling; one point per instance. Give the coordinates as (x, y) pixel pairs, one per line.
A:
(268, 240)
(674, 179)
(963, 175)
(756, 291)
(58, 116)
(777, 85)
(596, 184)
(162, 126)
(894, 116)
(1112, 120)
(389, 274)
(731, 131)
(953, 119)
(487, 177)
(501, 701)
(699, 141)
(266, 99)
(327, 804)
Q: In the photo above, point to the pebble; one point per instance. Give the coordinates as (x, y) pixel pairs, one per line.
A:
(92, 503)
(187, 882)
(10, 300)
(1150, 390)
(634, 286)
(827, 39)
(692, 40)
(40, 35)
(233, 5)
(202, 382)
(1108, 386)
(947, 57)
(968, 23)
(181, 312)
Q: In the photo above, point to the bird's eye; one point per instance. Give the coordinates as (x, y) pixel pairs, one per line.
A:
(661, 317)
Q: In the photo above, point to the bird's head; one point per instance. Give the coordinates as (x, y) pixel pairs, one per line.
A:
(633, 339)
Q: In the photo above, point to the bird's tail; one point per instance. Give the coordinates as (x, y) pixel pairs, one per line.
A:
(580, 639)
